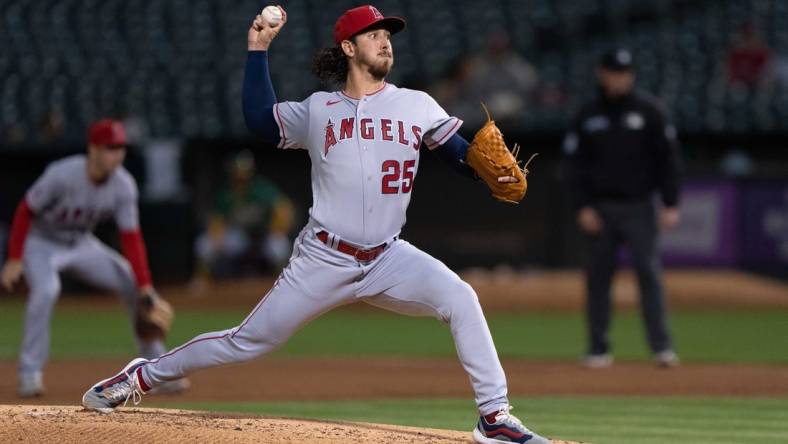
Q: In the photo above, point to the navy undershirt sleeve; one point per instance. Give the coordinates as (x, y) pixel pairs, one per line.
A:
(259, 98)
(453, 152)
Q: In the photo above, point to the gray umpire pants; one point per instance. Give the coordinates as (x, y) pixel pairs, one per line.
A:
(633, 223)
(86, 259)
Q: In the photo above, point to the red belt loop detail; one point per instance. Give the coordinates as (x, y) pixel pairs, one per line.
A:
(359, 254)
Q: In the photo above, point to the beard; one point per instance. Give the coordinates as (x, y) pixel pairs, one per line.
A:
(379, 68)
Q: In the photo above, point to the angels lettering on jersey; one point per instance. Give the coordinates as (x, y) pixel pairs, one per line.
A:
(67, 204)
(364, 155)
(382, 130)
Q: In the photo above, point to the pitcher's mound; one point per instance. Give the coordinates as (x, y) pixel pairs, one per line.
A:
(71, 424)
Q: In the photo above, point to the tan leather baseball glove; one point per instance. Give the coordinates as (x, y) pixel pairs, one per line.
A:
(154, 316)
(496, 165)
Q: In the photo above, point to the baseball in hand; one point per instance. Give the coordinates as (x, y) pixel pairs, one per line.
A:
(272, 15)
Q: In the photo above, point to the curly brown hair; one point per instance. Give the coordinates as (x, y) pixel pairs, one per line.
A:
(330, 65)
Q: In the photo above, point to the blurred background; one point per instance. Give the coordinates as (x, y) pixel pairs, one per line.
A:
(173, 71)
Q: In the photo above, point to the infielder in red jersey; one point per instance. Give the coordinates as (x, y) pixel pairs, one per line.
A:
(364, 142)
(52, 233)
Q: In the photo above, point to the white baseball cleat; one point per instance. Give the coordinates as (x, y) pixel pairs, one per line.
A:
(601, 360)
(666, 358)
(505, 428)
(30, 385)
(110, 393)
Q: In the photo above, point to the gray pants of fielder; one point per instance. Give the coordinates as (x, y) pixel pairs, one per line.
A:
(90, 261)
(633, 224)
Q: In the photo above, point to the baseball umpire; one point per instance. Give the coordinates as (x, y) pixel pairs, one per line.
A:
(622, 150)
(52, 233)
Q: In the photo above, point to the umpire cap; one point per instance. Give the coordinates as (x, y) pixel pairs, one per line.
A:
(619, 59)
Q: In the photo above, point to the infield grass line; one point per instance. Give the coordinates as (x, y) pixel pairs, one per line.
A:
(700, 336)
(600, 420)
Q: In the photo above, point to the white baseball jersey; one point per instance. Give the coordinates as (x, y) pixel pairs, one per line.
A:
(365, 154)
(68, 205)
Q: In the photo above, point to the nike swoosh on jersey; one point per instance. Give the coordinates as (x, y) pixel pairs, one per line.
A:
(333, 102)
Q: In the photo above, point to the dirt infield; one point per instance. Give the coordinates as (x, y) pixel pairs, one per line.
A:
(68, 424)
(507, 290)
(510, 291)
(293, 379)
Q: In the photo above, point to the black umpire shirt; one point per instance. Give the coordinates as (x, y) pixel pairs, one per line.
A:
(623, 149)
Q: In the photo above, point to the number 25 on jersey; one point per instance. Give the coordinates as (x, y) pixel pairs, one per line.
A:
(394, 172)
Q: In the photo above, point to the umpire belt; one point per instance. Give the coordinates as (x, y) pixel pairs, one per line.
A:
(360, 254)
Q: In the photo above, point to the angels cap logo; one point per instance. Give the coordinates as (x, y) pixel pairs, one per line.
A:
(375, 12)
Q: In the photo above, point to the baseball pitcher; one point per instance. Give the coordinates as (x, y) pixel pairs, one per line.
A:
(364, 141)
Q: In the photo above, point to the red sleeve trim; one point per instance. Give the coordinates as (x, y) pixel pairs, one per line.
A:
(281, 126)
(446, 136)
(134, 250)
(23, 217)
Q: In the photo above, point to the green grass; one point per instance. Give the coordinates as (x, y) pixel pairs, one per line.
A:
(609, 420)
(713, 336)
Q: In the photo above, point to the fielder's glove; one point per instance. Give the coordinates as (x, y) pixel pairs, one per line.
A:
(496, 165)
(154, 316)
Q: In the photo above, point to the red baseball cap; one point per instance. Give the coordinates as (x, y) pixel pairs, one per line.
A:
(107, 132)
(355, 20)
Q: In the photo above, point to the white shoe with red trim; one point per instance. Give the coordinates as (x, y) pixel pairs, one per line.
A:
(505, 428)
(105, 395)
